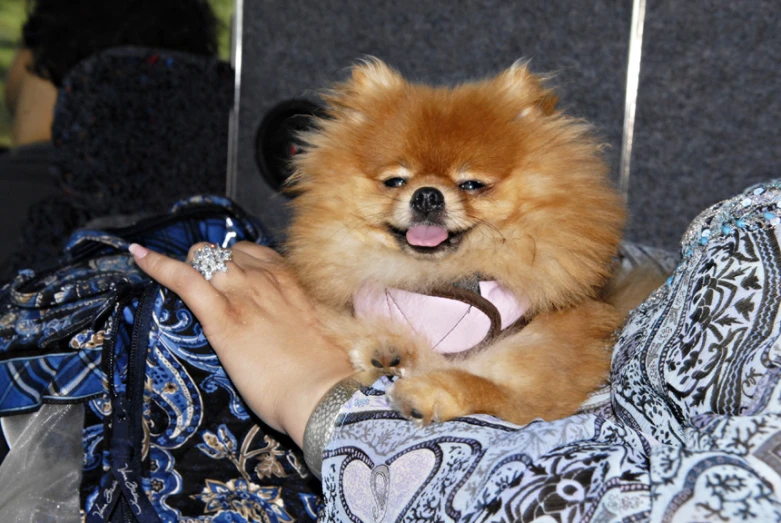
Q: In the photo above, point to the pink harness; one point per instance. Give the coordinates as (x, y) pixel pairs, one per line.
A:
(454, 320)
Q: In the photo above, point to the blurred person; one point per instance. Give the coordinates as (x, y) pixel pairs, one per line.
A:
(24, 169)
(56, 36)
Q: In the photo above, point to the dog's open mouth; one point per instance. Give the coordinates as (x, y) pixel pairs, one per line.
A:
(424, 238)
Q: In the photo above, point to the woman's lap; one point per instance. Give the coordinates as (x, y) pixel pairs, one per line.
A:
(692, 432)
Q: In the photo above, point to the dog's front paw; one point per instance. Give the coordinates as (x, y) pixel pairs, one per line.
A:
(392, 359)
(424, 399)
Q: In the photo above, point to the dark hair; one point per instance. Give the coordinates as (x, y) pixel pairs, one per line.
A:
(61, 33)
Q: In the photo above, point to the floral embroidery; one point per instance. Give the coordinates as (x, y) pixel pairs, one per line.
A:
(223, 445)
(241, 496)
(245, 499)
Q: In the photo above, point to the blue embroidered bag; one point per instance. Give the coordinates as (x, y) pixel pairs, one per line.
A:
(166, 436)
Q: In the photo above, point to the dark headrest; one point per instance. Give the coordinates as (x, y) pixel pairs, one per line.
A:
(136, 129)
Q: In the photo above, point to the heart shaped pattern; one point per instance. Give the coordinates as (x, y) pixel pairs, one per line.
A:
(382, 493)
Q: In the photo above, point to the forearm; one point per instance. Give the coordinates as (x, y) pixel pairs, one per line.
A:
(286, 402)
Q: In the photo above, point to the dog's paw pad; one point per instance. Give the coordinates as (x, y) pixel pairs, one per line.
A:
(389, 360)
(416, 414)
(420, 400)
(394, 362)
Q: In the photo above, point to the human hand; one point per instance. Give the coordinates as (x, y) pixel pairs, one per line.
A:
(262, 326)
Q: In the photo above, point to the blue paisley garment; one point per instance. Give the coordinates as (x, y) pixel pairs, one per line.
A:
(166, 436)
(688, 430)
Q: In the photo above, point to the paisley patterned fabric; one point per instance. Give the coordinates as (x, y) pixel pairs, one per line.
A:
(198, 455)
(688, 430)
(51, 334)
(166, 436)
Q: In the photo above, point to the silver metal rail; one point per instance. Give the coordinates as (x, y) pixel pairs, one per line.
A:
(632, 83)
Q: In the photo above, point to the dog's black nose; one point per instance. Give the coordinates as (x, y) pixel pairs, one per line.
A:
(427, 199)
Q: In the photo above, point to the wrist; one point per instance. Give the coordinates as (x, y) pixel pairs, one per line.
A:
(322, 422)
(296, 411)
(324, 418)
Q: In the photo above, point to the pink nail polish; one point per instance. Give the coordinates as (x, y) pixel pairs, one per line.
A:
(137, 251)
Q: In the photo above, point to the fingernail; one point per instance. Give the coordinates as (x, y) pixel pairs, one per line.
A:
(137, 251)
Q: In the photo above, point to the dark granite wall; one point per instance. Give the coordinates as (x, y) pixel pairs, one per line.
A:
(708, 110)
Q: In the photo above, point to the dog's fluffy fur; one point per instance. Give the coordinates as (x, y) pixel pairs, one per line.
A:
(546, 223)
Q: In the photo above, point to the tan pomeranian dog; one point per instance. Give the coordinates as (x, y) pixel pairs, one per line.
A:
(460, 238)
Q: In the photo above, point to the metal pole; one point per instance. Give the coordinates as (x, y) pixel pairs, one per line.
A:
(233, 123)
(632, 82)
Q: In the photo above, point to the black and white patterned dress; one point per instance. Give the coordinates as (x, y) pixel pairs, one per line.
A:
(688, 430)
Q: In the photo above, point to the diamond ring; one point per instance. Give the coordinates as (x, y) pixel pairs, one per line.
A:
(210, 259)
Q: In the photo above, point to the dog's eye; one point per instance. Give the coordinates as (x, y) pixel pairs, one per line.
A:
(395, 182)
(471, 185)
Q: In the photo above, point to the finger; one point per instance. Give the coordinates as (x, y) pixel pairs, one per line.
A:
(267, 263)
(219, 278)
(233, 281)
(259, 252)
(251, 266)
(255, 270)
(197, 293)
(195, 248)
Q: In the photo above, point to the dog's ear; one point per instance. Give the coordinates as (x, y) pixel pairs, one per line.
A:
(368, 77)
(371, 74)
(529, 89)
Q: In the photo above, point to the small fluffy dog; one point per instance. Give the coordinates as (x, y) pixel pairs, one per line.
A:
(460, 238)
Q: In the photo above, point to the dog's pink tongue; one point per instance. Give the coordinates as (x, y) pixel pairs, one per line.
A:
(426, 235)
